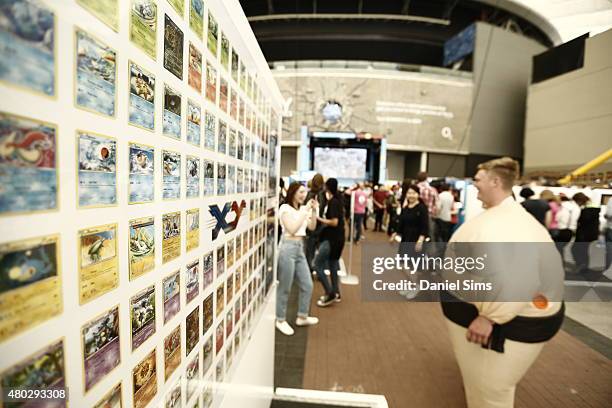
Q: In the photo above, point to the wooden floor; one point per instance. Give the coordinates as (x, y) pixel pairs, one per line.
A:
(402, 351)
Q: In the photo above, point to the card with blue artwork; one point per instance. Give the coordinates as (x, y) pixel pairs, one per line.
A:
(141, 186)
(220, 178)
(209, 178)
(171, 171)
(172, 113)
(28, 165)
(97, 169)
(141, 107)
(209, 131)
(192, 168)
(27, 45)
(96, 72)
(222, 139)
(194, 123)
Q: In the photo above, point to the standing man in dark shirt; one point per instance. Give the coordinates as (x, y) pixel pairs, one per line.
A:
(331, 243)
(317, 185)
(380, 196)
(537, 208)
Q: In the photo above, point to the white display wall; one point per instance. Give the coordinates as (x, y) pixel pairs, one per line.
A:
(79, 279)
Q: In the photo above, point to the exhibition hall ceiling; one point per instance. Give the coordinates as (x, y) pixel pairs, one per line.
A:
(409, 31)
(572, 18)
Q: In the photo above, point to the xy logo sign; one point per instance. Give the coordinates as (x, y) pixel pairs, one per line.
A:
(220, 217)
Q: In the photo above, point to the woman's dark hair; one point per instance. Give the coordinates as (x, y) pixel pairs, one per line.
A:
(581, 199)
(526, 193)
(317, 183)
(405, 188)
(293, 188)
(332, 186)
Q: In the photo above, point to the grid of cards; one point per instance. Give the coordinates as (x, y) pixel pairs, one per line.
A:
(156, 234)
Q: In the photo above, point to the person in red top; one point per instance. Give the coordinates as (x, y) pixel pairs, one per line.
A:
(380, 196)
(429, 197)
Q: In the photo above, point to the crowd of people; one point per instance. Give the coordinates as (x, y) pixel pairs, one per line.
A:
(389, 206)
(568, 218)
(312, 222)
(500, 338)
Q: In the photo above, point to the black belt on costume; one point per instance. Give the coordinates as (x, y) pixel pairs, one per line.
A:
(522, 329)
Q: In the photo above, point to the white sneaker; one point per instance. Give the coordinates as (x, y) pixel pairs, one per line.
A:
(306, 321)
(409, 293)
(337, 300)
(284, 328)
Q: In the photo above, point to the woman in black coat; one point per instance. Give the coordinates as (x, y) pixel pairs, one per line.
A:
(587, 231)
(412, 227)
(412, 223)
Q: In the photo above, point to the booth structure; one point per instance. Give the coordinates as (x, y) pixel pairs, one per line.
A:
(139, 161)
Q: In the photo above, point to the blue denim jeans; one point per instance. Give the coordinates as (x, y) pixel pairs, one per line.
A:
(292, 263)
(323, 262)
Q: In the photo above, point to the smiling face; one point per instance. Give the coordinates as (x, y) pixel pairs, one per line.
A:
(486, 183)
(412, 196)
(300, 195)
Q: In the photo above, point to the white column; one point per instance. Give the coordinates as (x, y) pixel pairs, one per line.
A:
(423, 165)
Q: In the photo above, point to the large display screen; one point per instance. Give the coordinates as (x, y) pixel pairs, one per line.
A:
(341, 163)
(421, 111)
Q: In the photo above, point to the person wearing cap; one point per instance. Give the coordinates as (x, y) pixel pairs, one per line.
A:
(496, 341)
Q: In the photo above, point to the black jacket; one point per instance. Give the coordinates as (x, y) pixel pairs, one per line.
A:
(587, 229)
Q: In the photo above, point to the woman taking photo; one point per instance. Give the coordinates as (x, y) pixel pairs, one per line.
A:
(331, 243)
(294, 218)
(412, 226)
